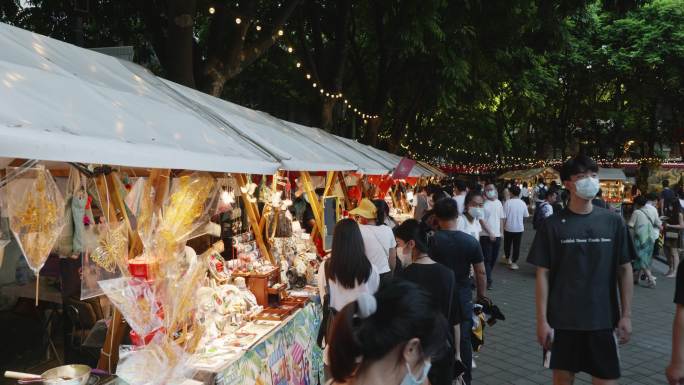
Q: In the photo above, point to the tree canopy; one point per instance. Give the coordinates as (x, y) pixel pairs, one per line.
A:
(454, 81)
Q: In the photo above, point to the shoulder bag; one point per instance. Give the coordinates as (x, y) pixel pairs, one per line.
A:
(328, 315)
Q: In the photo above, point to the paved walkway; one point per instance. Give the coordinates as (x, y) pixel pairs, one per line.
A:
(511, 354)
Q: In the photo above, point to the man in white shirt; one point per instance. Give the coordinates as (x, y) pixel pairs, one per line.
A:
(492, 230)
(514, 212)
(460, 191)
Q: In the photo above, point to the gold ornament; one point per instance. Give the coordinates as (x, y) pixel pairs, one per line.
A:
(36, 215)
(112, 249)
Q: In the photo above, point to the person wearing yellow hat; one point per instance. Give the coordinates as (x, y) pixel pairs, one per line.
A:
(378, 238)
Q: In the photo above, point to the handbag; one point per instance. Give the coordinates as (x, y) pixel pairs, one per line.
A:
(329, 313)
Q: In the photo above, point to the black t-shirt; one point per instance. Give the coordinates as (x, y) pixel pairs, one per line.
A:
(583, 253)
(439, 281)
(598, 202)
(679, 291)
(667, 194)
(457, 251)
(307, 218)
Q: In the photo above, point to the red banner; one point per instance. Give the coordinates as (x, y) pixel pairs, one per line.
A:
(404, 168)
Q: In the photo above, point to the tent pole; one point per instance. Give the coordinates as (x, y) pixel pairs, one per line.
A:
(254, 220)
(313, 201)
(345, 192)
(109, 354)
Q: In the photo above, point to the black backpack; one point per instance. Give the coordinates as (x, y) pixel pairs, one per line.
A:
(538, 218)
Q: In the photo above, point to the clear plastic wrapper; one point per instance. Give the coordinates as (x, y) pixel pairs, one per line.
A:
(105, 256)
(36, 215)
(158, 363)
(137, 302)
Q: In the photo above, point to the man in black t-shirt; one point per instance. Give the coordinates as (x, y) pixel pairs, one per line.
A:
(675, 372)
(459, 251)
(582, 256)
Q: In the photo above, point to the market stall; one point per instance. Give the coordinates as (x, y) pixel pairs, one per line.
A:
(532, 176)
(175, 299)
(178, 206)
(613, 186)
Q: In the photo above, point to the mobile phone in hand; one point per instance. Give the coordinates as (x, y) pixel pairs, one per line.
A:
(459, 368)
(546, 359)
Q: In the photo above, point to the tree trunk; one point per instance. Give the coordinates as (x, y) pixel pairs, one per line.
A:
(327, 107)
(370, 136)
(180, 42)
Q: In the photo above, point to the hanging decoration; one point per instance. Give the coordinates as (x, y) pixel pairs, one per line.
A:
(36, 216)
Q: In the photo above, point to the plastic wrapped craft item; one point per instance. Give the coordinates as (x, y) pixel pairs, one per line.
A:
(160, 362)
(136, 301)
(36, 215)
(105, 256)
(188, 208)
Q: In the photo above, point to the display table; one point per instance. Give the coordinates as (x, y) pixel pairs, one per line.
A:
(287, 354)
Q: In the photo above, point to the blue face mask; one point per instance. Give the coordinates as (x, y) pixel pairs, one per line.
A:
(587, 188)
(409, 379)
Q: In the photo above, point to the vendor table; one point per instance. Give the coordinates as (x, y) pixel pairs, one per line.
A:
(288, 354)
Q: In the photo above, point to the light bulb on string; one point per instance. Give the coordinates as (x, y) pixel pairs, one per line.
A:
(308, 76)
(314, 85)
(281, 32)
(238, 20)
(258, 28)
(299, 64)
(212, 10)
(290, 49)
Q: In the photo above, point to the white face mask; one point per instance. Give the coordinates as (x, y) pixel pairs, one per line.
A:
(409, 379)
(587, 188)
(476, 212)
(404, 254)
(491, 194)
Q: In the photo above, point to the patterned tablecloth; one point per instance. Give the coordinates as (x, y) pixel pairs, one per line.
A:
(287, 355)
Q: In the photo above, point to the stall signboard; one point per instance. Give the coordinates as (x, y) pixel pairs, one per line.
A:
(403, 169)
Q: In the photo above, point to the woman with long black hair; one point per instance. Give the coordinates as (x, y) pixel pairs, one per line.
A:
(440, 282)
(390, 338)
(347, 273)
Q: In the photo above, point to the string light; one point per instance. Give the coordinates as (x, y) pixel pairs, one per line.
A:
(238, 20)
(212, 10)
(281, 32)
(258, 28)
(290, 50)
(299, 64)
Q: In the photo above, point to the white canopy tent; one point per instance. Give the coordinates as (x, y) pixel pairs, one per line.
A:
(611, 174)
(333, 143)
(417, 171)
(389, 160)
(59, 102)
(294, 151)
(63, 103)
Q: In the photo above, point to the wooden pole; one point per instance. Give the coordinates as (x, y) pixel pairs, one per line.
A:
(343, 185)
(254, 220)
(106, 186)
(329, 182)
(314, 202)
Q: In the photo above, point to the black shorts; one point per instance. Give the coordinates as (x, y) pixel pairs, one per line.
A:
(592, 352)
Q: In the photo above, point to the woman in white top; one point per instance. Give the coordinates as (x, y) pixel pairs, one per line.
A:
(473, 213)
(378, 239)
(645, 227)
(348, 273)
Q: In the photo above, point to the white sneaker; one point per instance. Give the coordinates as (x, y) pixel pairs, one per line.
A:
(506, 261)
(514, 266)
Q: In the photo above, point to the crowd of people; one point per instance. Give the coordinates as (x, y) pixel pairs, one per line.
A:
(399, 299)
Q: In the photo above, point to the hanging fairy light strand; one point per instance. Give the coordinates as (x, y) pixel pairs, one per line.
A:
(329, 94)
